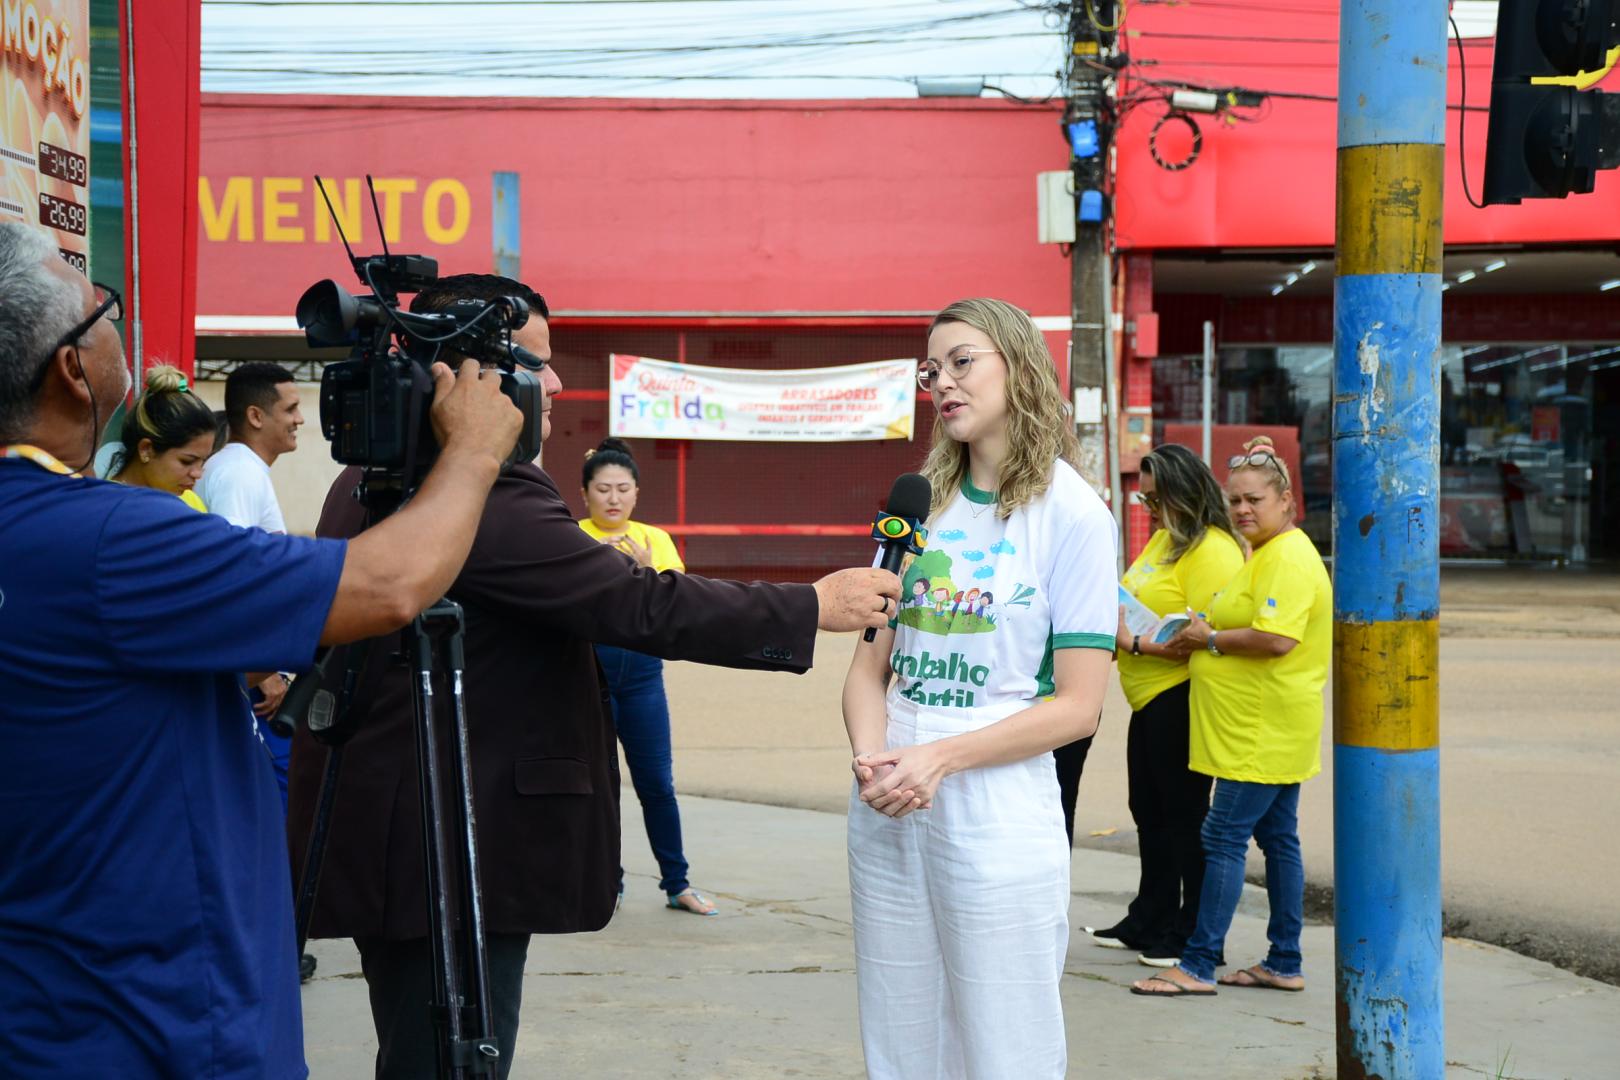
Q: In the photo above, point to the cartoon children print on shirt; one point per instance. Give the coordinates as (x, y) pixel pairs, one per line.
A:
(938, 605)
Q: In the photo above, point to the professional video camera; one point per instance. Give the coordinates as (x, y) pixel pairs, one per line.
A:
(375, 405)
(375, 409)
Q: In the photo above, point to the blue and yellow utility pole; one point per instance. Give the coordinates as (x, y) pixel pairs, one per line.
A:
(1386, 487)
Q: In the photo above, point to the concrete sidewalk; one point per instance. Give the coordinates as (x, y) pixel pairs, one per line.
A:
(767, 989)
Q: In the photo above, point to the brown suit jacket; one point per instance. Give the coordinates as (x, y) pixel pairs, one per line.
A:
(537, 592)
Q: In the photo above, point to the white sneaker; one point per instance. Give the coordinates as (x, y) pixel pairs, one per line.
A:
(1158, 961)
(1104, 939)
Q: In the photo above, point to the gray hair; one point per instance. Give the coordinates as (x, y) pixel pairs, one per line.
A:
(36, 309)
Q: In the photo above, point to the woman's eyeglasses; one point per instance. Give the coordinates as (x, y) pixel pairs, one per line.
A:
(1147, 499)
(1255, 459)
(956, 365)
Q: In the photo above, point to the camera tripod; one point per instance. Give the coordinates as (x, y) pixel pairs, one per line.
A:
(461, 1006)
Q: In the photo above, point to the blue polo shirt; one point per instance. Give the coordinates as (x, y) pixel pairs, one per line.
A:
(145, 908)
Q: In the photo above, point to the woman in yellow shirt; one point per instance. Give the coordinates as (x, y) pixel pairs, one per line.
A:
(167, 437)
(610, 483)
(1259, 663)
(1191, 555)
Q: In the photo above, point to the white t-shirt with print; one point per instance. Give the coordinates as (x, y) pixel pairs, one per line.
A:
(989, 601)
(236, 485)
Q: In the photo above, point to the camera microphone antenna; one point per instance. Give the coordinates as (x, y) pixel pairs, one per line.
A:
(320, 185)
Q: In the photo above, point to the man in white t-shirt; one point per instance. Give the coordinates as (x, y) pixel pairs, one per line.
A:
(261, 407)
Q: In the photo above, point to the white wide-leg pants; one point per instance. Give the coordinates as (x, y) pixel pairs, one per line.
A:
(961, 918)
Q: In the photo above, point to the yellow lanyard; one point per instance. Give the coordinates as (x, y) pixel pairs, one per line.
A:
(44, 459)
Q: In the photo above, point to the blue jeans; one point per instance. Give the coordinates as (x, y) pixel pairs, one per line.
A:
(641, 714)
(1270, 814)
(278, 746)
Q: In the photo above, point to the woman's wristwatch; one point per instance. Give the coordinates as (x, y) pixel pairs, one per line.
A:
(1136, 645)
(1209, 643)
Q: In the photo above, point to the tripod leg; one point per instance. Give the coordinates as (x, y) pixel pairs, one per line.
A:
(446, 964)
(315, 853)
(485, 1049)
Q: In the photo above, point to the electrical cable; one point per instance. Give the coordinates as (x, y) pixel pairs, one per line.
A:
(1018, 99)
(1462, 121)
(1197, 141)
(1096, 23)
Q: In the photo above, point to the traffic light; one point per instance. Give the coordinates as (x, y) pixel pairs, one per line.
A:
(1549, 141)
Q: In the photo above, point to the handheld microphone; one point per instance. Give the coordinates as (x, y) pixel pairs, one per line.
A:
(898, 527)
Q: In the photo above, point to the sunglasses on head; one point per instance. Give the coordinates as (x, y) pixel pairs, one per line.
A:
(1255, 459)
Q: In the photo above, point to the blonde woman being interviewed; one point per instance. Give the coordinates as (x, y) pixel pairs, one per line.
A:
(958, 860)
(1258, 667)
(1190, 556)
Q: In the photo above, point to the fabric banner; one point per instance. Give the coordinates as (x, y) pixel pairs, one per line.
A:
(657, 399)
(44, 120)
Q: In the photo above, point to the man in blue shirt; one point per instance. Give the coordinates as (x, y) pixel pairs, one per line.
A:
(145, 908)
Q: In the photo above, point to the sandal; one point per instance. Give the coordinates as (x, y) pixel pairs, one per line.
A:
(1259, 978)
(696, 908)
(1176, 989)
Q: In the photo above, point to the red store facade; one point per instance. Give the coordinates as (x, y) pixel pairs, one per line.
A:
(796, 234)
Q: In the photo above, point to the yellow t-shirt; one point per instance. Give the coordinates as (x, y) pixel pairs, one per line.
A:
(1259, 719)
(664, 555)
(193, 500)
(1164, 587)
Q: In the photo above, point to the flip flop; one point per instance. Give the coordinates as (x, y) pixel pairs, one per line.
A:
(1178, 991)
(1258, 978)
(675, 902)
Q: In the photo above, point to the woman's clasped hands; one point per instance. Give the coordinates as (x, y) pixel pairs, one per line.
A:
(896, 782)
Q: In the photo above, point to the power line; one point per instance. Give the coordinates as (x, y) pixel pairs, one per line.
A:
(648, 50)
(338, 4)
(497, 73)
(1180, 36)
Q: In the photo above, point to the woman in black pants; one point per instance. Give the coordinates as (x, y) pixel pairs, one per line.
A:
(1191, 555)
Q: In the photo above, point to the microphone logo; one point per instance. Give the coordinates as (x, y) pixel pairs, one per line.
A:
(894, 529)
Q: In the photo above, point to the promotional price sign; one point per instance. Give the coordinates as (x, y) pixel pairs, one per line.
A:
(45, 120)
(656, 399)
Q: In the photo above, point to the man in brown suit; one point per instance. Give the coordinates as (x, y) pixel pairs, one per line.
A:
(537, 592)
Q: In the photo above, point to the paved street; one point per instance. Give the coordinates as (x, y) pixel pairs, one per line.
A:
(1530, 753)
(766, 990)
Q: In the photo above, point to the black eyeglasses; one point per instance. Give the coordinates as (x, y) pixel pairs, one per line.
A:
(108, 303)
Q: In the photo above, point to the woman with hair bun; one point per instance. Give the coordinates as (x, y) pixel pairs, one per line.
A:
(168, 436)
(610, 483)
(1259, 663)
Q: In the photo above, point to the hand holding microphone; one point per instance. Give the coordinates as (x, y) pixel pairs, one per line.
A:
(851, 599)
(899, 531)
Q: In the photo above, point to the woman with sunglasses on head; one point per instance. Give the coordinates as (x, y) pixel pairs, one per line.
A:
(168, 436)
(610, 483)
(1259, 663)
(958, 859)
(1191, 555)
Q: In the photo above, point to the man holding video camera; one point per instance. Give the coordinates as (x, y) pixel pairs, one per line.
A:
(537, 592)
(143, 931)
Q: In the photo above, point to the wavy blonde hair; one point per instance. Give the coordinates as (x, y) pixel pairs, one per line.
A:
(1039, 431)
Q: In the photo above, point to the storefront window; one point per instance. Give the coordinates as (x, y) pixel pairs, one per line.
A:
(1529, 436)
